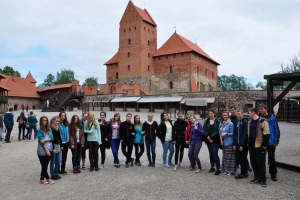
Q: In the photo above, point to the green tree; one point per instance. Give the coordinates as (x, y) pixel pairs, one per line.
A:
(292, 67)
(261, 85)
(7, 70)
(233, 82)
(92, 81)
(64, 76)
(49, 81)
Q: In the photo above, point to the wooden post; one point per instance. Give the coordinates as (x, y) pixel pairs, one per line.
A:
(197, 110)
(124, 109)
(180, 107)
(137, 107)
(112, 106)
(151, 107)
(166, 107)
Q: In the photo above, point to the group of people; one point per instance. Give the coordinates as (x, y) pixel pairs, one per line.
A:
(234, 134)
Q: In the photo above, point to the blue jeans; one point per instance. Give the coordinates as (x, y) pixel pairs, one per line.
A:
(54, 163)
(168, 145)
(151, 144)
(194, 150)
(1, 133)
(76, 155)
(30, 131)
(213, 149)
(115, 144)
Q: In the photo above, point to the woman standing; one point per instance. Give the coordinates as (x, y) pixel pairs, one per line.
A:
(32, 120)
(114, 137)
(226, 133)
(195, 144)
(211, 129)
(104, 128)
(150, 128)
(57, 148)
(166, 134)
(22, 120)
(92, 128)
(45, 148)
(64, 133)
(138, 140)
(76, 142)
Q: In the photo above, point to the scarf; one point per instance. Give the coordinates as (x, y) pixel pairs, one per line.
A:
(150, 123)
(224, 123)
(54, 127)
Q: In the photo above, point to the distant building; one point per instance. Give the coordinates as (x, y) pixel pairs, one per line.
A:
(138, 67)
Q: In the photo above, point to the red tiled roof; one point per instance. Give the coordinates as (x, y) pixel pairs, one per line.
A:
(30, 78)
(20, 87)
(145, 15)
(67, 85)
(211, 85)
(178, 44)
(114, 59)
(3, 87)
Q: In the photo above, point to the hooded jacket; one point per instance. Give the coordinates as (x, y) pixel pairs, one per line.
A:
(9, 119)
(179, 129)
(240, 137)
(196, 134)
(262, 133)
(150, 130)
(274, 129)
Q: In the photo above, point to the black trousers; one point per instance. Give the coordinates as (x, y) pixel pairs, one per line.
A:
(93, 154)
(64, 154)
(21, 128)
(102, 151)
(258, 162)
(179, 148)
(241, 158)
(44, 160)
(127, 150)
(138, 154)
(271, 158)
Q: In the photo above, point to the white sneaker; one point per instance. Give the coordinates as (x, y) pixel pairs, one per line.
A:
(29, 140)
(167, 165)
(50, 181)
(224, 173)
(101, 166)
(180, 165)
(175, 168)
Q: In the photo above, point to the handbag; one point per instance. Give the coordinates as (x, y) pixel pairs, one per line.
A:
(40, 150)
(4, 129)
(27, 124)
(108, 144)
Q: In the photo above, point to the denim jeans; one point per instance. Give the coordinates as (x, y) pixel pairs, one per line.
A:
(54, 163)
(213, 149)
(152, 145)
(76, 155)
(168, 145)
(115, 144)
(194, 150)
(1, 130)
(32, 127)
(8, 132)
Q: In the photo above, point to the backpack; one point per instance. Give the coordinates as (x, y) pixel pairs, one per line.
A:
(21, 121)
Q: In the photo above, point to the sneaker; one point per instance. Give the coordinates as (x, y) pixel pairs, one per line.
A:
(139, 163)
(150, 164)
(58, 176)
(29, 140)
(54, 178)
(83, 167)
(274, 177)
(180, 165)
(7, 141)
(198, 171)
(249, 169)
(126, 165)
(75, 171)
(224, 173)
(190, 169)
(43, 182)
(175, 168)
(50, 182)
(211, 170)
(240, 176)
(64, 173)
(132, 160)
(118, 165)
(229, 174)
(78, 170)
(167, 165)
(217, 172)
(171, 164)
(91, 169)
(255, 180)
(153, 164)
(101, 166)
(264, 184)
(97, 169)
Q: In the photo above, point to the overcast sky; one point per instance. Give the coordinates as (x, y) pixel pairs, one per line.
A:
(248, 38)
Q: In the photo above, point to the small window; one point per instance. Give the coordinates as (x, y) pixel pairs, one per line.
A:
(148, 68)
(128, 67)
(171, 85)
(213, 75)
(171, 69)
(152, 32)
(158, 57)
(124, 31)
(117, 75)
(144, 28)
(166, 57)
(129, 42)
(128, 54)
(206, 72)
(135, 28)
(148, 55)
(129, 29)
(148, 42)
(148, 30)
(182, 54)
(174, 55)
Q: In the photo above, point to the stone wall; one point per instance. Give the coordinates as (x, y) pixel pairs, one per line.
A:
(16, 103)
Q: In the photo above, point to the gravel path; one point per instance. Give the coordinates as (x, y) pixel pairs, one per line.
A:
(20, 169)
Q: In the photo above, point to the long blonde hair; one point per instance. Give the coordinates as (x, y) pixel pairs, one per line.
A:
(94, 121)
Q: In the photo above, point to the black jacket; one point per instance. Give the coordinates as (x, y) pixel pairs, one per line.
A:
(240, 136)
(126, 130)
(56, 137)
(150, 130)
(162, 130)
(233, 118)
(105, 130)
(179, 129)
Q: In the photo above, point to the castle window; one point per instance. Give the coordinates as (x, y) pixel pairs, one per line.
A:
(174, 55)
(206, 72)
(171, 69)
(213, 75)
(182, 54)
(144, 28)
(158, 57)
(128, 67)
(171, 85)
(148, 68)
(152, 32)
(129, 29)
(128, 54)
(117, 75)
(148, 55)
(135, 28)
(129, 42)
(166, 57)
(124, 30)
(148, 42)
(148, 30)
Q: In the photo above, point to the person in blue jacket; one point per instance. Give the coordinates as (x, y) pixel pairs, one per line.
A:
(9, 124)
(274, 138)
(226, 132)
(138, 140)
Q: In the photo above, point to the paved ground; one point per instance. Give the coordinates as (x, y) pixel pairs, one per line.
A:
(20, 169)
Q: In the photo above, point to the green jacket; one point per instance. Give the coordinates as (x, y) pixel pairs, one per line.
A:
(215, 134)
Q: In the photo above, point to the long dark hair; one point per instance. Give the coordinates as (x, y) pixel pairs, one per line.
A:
(46, 128)
(73, 126)
(65, 122)
(162, 116)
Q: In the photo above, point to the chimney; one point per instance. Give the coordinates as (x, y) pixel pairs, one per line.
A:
(14, 77)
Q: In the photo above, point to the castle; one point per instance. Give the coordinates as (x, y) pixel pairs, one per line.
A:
(139, 68)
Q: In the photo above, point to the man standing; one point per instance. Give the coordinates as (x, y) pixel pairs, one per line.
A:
(233, 116)
(258, 133)
(274, 139)
(9, 123)
(83, 149)
(127, 134)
